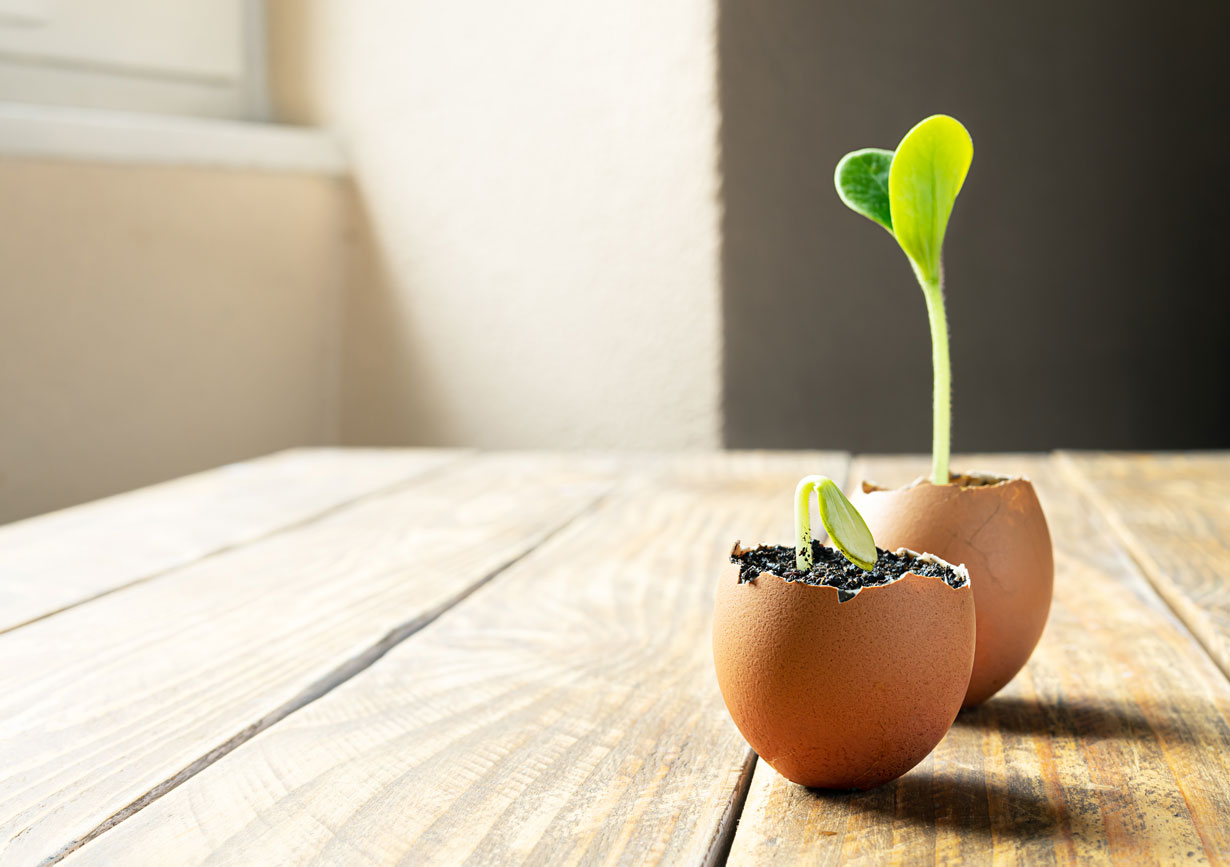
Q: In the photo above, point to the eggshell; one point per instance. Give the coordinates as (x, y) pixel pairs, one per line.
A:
(842, 695)
(996, 528)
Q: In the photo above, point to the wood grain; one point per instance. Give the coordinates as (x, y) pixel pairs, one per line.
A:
(565, 713)
(1112, 745)
(57, 560)
(1172, 513)
(107, 704)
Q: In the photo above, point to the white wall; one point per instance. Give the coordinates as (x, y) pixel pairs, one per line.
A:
(535, 248)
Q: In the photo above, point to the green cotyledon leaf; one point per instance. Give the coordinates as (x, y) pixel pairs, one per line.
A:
(927, 172)
(846, 528)
(861, 179)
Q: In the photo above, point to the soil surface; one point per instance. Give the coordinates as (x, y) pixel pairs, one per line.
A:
(960, 480)
(832, 569)
(977, 480)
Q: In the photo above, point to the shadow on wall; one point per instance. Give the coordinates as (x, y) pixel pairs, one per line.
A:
(1087, 299)
(387, 385)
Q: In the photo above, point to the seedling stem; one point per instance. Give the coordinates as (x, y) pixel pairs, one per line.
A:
(941, 396)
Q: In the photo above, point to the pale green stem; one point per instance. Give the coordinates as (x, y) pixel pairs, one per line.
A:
(941, 401)
(802, 522)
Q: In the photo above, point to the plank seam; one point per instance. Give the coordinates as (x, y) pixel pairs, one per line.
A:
(724, 836)
(1170, 596)
(391, 488)
(319, 688)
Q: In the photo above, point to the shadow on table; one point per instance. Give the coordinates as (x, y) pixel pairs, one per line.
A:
(964, 804)
(1086, 720)
(1024, 807)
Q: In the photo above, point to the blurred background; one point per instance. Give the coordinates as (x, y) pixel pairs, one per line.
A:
(229, 227)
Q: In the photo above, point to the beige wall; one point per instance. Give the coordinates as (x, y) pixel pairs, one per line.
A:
(535, 241)
(157, 320)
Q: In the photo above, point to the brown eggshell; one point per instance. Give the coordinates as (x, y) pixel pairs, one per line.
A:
(994, 527)
(842, 695)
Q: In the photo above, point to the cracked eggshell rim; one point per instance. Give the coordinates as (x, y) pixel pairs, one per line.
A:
(981, 478)
(959, 568)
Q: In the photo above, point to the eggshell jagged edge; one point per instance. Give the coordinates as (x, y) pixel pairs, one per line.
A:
(847, 595)
(982, 478)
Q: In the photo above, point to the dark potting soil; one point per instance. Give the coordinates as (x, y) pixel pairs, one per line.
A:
(832, 569)
(959, 480)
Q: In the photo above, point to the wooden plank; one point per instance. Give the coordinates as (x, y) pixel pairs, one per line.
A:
(106, 705)
(1172, 513)
(1112, 744)
(58, 560)
(565, 713)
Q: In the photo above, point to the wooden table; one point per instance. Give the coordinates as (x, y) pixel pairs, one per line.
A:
(438, 656)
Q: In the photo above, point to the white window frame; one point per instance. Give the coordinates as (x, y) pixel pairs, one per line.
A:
(235, 87)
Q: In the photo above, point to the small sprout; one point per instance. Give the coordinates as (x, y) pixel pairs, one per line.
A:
(846, 528)
(910, 192)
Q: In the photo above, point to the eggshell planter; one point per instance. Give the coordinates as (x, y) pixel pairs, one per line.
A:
(994, 526)
(842, 695)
